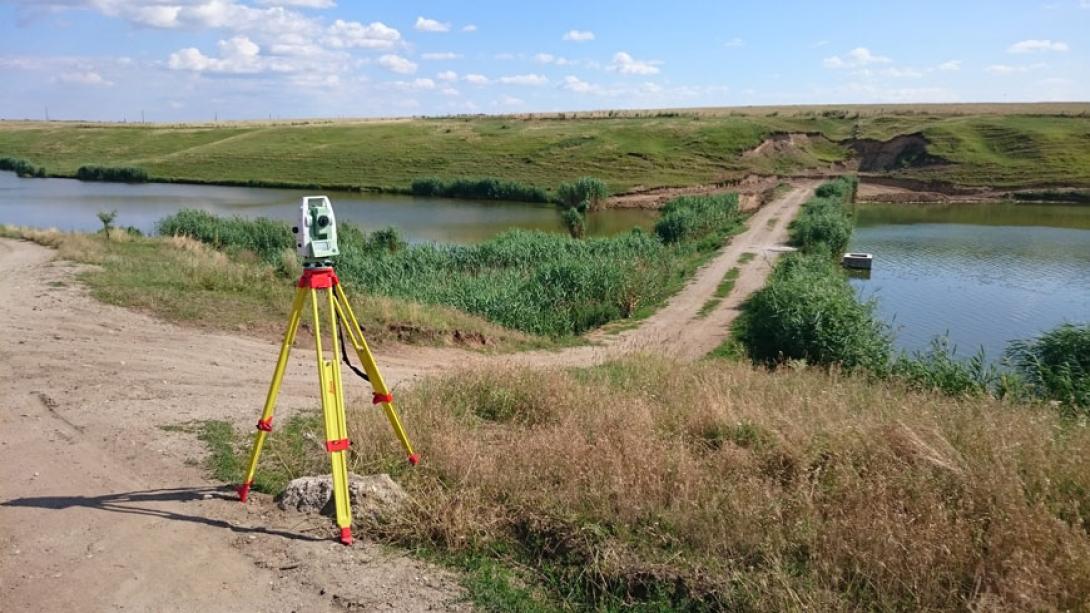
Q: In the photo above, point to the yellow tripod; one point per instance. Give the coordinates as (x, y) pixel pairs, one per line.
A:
(329, 380)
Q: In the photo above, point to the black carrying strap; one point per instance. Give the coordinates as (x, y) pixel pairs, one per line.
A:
(344, 353)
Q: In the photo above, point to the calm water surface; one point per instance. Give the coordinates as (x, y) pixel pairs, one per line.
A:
(982, 273)
(68, 204)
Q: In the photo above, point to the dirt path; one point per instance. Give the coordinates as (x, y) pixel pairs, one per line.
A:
(101, 509)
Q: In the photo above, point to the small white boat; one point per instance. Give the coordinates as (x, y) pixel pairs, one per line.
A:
(861, 261)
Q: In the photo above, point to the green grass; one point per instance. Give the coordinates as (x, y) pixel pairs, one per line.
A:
(184, 281)
(987, 146)
(722, 290)
(641, 485)
(543, 284)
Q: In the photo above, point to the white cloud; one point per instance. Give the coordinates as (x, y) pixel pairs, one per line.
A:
(195, 14)
(415, 84)
(627, 65)
(348, 34)
(447, 75)
(524, 79)
(89, 77)
(506, 100)
(1006, 69)
(450, 91)
(310, 4)
(578, 36)
(396, 63)
(579, 86)
(544, 58)
(423, 24)
(476, 79)
(238, 55)
(441, 55)
(949, 66)
(901, 73)
(1037, 46)
(735, 42)
(858, 57)
(469, 28)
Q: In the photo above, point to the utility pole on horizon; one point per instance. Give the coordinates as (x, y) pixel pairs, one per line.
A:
(47, 112)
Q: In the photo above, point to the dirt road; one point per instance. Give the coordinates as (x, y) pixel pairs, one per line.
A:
(101, 509)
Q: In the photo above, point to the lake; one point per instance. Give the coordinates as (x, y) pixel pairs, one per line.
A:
(982, 273)
(68, 204)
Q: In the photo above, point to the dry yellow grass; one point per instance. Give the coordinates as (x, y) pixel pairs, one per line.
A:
(730, 487)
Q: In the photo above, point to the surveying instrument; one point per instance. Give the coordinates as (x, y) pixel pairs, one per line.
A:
(316, 242)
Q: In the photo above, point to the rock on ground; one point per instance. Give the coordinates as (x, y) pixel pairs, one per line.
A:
(374, 497)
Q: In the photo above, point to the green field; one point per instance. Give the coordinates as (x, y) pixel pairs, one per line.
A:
(984, 145)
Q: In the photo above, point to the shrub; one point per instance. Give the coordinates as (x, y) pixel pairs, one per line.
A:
(1056, 365)
(483, 189)
(586, 192)
(688, 216)
(107, 218)
(536, 282)
(574, 222)
(808, 311)
(21, 167)
(939, 369)
(264, 237)
(126, 174)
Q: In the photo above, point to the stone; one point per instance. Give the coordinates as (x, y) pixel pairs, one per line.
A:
(374, 497)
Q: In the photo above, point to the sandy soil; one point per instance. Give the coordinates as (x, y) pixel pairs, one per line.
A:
(101, 509)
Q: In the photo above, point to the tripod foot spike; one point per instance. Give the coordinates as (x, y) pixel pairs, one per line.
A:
(244, 491)
(414, 459)
(346, 536)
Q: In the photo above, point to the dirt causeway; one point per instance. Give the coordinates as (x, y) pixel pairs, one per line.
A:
(102, 509)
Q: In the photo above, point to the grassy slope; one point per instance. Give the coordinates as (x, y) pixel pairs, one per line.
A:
(722, 485)
(630, 151)
(183, 281)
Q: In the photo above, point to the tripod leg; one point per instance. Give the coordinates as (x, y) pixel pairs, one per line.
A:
(336, 430)
(382, 394)
(264, 425)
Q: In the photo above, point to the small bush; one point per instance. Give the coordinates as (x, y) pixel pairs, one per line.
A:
(127, 174)
(939, 369)
(690, 216)
(586, 192)
(574, 222)
(808, 311)
(483, 189)
(1056, 365)
(21, 167)
(264, 237)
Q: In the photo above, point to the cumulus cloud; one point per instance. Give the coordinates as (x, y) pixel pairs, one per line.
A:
(469, 28)
(579, 86)
(476, 79)
(88, 77)
(949, 66)
(1007, 69)
(349, 34)
(578, 36)
(628, 65)
(423, 24)
(441, 55)
(1037, 46)
(396, 63)
(506, 100)
(450, 91)
(735, 42)
(447, 75)
(415, 84)
(858, 57)
(238, 55)
(524, 79)
(309, 4)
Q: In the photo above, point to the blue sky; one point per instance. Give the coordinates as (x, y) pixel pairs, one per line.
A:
(250, 59)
